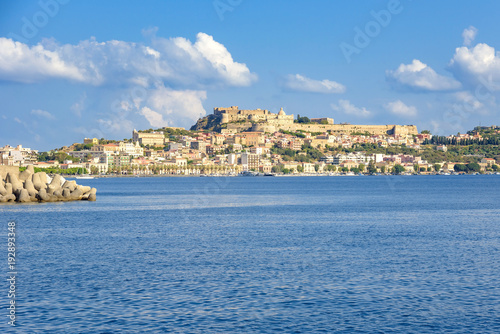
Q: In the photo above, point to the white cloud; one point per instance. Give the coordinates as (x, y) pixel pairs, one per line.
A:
(42, 113)
(22, 63)
(400, 109)
(466, 97)
(177, 61)
(469, 103)
(183, 106)
(348, 108)
(477, 65)
(155, 119)
(419, 76)
(116, 125)
(469, 34)
(300, 83)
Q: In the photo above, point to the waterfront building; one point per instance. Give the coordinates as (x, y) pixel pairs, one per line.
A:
(250, 161)
(488, 161)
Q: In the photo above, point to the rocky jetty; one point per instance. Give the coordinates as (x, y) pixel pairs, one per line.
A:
(28, 186)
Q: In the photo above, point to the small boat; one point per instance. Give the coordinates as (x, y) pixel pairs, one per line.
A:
(84, 177)
(248, 173)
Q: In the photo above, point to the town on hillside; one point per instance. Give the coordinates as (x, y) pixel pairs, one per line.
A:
(233, 141)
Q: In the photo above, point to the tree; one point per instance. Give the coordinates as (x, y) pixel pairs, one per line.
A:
(303, 119)
(425, 132)
(459, 168)
(355, 170)
(371, 167)
(345, 169)
(494, 167)
(331, 168)
(316, 167)
(382, 169)
(416, 167)
(398, 169)
(473, 167)
(276, 169)
(300, 169)
(361, 167)
(286, 171)
(437, 167)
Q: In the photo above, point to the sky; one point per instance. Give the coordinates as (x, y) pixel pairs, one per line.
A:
(71, 69)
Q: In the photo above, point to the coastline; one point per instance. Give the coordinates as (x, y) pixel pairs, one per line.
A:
(284, 175)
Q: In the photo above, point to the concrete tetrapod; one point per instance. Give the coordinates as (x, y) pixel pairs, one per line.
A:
(28, 186)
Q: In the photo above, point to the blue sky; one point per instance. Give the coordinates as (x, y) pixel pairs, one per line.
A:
(72, 69)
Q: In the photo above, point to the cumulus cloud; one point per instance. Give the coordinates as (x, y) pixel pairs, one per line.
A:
(155, 119)
(297, 82)
(115, 125)
(400, 109)
(177, 61)
(466, 97)
(347, 107)
(42, 113)
(471, 104)
(477, 65)
(469, 34)
(185, 106)
(419, 76)
(22, 63)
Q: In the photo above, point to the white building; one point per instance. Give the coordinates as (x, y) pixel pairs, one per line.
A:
(134, 150)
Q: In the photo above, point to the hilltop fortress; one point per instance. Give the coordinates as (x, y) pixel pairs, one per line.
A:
(233, 119)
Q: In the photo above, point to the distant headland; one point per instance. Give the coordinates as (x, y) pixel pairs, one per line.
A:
(234, 141)
(234, 120)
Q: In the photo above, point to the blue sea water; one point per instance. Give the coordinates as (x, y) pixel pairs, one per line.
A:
(400, 254)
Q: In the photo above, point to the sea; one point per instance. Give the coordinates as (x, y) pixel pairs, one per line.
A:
(360, 254)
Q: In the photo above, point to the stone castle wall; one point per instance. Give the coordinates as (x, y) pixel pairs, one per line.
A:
(335, 129)
(265, 121)
(349, 128)
(233, 114)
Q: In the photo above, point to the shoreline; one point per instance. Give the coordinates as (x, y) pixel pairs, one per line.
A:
(279, 175)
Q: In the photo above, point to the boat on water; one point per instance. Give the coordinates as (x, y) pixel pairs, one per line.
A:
(249, 173)
(84, 177)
